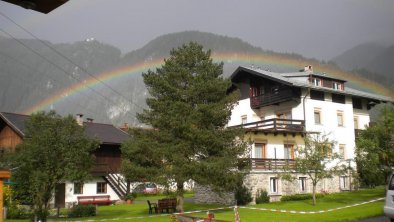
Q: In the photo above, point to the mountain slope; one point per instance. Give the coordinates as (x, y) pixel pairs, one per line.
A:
(370, 60)
(39, 78)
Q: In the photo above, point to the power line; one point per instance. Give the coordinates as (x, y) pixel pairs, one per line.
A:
(72, 62)
(29, 68)
(60, 68)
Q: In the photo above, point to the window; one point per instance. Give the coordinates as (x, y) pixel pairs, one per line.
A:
(78, 188)
(317, 114)
(244, 119)
(302, 183)
(259, 150)
(336, 98)
(317, 95)
(316, 82)
(326, 150)
(357, 103)
(101, 187)
(355, 120)
(340, 118)
(255, 91)
(344, 183)
(342, 151)
(289, 151)
(337, 85)
(274, 185)
(391, 183)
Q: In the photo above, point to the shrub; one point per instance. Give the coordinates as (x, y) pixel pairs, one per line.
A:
(262, 196)
(131, 196)
(243, 195)
(295, 197)
(82, 211)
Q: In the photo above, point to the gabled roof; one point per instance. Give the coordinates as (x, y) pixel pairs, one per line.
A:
(15, 121)
(105, 133)
(286, 78)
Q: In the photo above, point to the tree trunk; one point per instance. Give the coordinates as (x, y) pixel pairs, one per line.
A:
(179, 196)
(314, 194)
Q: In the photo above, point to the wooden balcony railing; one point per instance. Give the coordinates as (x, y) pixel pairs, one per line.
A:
(267, 99)
(272, 164)
(285, 125)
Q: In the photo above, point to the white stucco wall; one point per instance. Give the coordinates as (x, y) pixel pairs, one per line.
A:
(89, 189)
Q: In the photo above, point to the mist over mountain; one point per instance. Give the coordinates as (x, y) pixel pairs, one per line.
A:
(31, 72)
(370, 60)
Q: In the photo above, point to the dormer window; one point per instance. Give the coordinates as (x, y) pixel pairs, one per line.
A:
(337, 86)
(316, 82)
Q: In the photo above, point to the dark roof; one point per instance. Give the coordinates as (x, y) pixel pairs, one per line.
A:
(43, 6)
(15, 121)
(284, 78)
(105, 133)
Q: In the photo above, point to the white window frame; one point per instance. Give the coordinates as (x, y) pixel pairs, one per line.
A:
(342, 115)
(317, 111)
(302, 184)
(274, 182)
(344, 183)
(244, 119)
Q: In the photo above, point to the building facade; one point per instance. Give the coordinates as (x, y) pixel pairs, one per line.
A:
(278, 110)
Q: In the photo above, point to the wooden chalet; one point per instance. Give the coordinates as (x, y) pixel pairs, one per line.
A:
(107, 156)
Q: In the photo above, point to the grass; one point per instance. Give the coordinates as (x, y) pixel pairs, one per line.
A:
(132, 212)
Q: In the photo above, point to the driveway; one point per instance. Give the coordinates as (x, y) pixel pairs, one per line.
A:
(375, 219)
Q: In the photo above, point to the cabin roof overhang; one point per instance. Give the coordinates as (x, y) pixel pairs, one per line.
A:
(12, 120)
(43, 6)
(241, 70)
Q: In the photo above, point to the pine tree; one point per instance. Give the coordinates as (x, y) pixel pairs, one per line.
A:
(189, 107)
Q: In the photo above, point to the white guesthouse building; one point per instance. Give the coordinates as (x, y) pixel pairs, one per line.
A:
(279, 109)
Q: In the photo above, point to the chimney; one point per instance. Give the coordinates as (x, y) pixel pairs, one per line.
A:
(79, 119)
(308, 68)
(125, 127)
(89, 120)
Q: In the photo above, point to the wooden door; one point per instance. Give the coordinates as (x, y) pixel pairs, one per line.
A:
(60, 195)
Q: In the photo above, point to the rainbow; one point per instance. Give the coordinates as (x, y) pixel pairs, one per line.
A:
(235, 58)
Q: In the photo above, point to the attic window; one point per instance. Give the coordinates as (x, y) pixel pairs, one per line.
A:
(336, 98)
(337, 86)
(316, 82)
(317, 95)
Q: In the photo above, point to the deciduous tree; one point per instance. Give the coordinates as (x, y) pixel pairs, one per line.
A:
(55, 149)
(375, 149)
(316, 160)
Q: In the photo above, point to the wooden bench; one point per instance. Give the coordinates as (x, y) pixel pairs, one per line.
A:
(96, 200)
(166, 204)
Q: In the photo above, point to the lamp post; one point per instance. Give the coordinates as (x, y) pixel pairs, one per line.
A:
(4, 174)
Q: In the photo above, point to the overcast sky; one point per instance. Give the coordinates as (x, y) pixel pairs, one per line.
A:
(313, 28)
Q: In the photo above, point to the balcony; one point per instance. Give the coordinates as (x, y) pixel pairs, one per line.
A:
(282, 95)
(272, 164)
(276, 125)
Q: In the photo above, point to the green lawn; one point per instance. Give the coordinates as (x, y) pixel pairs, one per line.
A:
(139, 212)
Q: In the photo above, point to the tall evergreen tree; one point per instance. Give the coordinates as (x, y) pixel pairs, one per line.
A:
(189, 107)
(54, 149)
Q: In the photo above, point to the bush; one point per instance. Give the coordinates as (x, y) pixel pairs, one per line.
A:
(294, 197)
(131, 196)
(262, 196)
(82, 211)
(243, 195)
